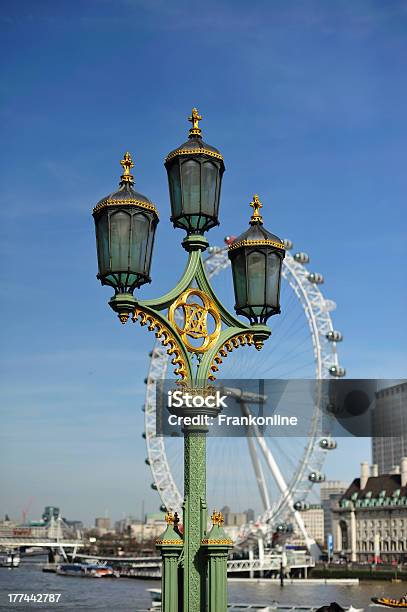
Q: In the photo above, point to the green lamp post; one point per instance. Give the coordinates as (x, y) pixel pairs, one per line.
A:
(194, 562)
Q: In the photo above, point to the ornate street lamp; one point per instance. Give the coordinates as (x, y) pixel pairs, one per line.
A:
(197, 341)
(195, 172)
(125, 223)
(256, 257)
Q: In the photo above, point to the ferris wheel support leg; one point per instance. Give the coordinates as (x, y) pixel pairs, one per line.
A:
(279, 478)
(261, 481)
(195, 519)
(309, 542)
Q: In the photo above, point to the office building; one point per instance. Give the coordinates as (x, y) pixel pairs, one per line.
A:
(389, 443)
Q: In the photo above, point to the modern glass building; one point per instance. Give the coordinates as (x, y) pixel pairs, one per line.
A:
(390, 420)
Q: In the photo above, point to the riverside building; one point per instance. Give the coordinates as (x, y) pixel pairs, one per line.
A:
(370, 519)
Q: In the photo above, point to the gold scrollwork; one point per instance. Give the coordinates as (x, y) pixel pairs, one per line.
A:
(160, 542)
(163, 333)
(195, 320)
(241, 339)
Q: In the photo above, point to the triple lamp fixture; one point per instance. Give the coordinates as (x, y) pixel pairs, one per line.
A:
(126, 222)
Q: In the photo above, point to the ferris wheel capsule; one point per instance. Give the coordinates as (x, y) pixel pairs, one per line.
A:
(284, 528)
(328, 305)
(302, 258)
(315, 277)
(153, 486)
(337, 371)
(328, 443)
(288, 244)
(147, 461)
(334, 336)
(301, 505)
(316, 477)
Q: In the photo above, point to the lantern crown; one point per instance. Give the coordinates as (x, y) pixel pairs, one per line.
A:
(126, 195)
(127, 164)
(195, 118)
(256, 205)
(256, 234)
(195, 145)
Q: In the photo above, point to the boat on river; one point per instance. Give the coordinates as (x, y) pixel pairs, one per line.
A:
(388, 602)
(85, 570)
(9, 559)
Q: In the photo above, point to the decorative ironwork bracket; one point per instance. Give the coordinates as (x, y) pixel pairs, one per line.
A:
(216, 345)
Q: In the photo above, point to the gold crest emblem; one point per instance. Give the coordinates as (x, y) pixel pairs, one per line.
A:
(190, 319)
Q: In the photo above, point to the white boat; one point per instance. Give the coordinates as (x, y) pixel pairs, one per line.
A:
(155, 597)
(10, 559)
(85, 570)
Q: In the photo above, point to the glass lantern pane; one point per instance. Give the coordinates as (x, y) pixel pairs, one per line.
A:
(102, 241)
(209, 177)
(175, 189)
(273, 279)
(119, 240)
(239, 279)
(150, 245)
(140, 226)
(191, 186)
(256, 271)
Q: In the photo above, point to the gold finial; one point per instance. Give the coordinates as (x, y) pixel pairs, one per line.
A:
(195, 118)
(217, 518)
(256, 205)
(169, 517)
(127, 164)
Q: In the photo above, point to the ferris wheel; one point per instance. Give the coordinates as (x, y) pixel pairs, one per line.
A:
(275, 475)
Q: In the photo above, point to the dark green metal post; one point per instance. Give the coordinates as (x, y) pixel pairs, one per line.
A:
(195, 519)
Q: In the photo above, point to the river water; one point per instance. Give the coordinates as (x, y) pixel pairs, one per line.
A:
(130, 595)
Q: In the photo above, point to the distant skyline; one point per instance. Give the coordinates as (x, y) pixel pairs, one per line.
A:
(306, 100)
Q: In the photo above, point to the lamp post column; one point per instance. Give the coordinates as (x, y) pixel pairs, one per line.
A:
(195, 519)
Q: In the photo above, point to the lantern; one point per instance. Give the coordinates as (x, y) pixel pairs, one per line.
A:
(195, 172)
(256, 257)
(125, 224)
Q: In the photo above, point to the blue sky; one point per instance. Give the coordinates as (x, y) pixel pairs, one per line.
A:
(306, 101)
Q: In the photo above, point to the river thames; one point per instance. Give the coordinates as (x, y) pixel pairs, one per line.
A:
(130, 595)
